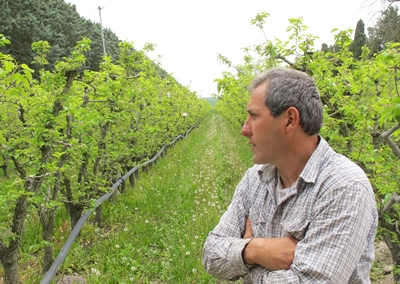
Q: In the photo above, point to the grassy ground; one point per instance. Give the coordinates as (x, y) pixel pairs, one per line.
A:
(155, 231)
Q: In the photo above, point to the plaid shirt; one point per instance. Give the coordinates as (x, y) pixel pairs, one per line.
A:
(330, 210)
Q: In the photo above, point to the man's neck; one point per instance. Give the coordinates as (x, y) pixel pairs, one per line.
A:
(297, 158)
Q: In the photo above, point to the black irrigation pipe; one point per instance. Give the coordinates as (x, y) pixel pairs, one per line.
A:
(76, 230)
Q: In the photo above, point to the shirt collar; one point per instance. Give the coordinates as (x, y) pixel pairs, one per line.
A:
(314, 163)
(267, 172)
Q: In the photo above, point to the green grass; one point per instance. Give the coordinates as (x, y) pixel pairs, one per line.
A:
(154, 232)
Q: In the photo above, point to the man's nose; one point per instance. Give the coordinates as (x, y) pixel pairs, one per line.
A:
(246, 129)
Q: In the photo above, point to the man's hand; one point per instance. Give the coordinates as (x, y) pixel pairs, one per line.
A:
(273, 254)
(249, 232)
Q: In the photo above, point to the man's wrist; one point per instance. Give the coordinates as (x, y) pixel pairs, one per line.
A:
(247, 254)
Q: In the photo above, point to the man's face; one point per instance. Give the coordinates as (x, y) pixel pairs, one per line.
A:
(263, 130)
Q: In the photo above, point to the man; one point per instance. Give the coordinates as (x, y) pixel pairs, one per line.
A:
(303, 213)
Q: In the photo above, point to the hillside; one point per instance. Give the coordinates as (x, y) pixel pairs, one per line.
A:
(212, 101)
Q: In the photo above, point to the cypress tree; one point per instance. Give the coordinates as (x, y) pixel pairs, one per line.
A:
(360, 40)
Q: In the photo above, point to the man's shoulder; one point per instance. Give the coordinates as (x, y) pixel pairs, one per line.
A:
(331, 165)
(339, 170)
(338, 163)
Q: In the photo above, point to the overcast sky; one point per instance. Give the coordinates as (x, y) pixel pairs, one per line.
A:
(189, 34)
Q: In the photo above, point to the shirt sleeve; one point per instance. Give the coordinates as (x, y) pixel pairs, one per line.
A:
(222, 251)
(337, 238)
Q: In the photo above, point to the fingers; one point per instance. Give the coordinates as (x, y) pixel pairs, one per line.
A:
(249, 231)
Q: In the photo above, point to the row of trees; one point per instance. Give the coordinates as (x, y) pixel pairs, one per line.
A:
(361, 98)
(72, 120)
(65, 137)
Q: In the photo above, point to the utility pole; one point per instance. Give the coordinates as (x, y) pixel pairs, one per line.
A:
(102, 33)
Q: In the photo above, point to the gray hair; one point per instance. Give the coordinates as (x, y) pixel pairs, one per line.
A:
(291, 88)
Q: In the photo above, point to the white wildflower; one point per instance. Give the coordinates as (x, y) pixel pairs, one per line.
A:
(95, 271)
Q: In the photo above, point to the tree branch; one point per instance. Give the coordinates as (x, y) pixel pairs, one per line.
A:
(395, 198)
(285, 60)
(386, 136)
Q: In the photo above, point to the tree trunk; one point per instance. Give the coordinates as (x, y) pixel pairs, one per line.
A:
(47, 215)
(391, 239)
(99, 216)
(9, 255)
(5, 170)
(74, 209)
(10, 263)
(97, 169)
(131, 178)
(122, 187)
(75, 213)
(395, 252)
(47, 219)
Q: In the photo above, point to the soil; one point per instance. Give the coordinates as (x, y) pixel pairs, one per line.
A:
(383, 269)
(69, 279)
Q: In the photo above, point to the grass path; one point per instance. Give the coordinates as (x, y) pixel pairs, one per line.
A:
(156, 230)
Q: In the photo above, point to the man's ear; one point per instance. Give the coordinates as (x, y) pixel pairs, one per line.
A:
(293, 117)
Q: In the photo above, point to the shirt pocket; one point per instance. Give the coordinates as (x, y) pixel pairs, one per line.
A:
(295, 225)
(258, 222)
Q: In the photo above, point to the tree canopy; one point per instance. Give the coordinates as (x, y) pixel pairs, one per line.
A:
(387, 29)
(57, 22)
